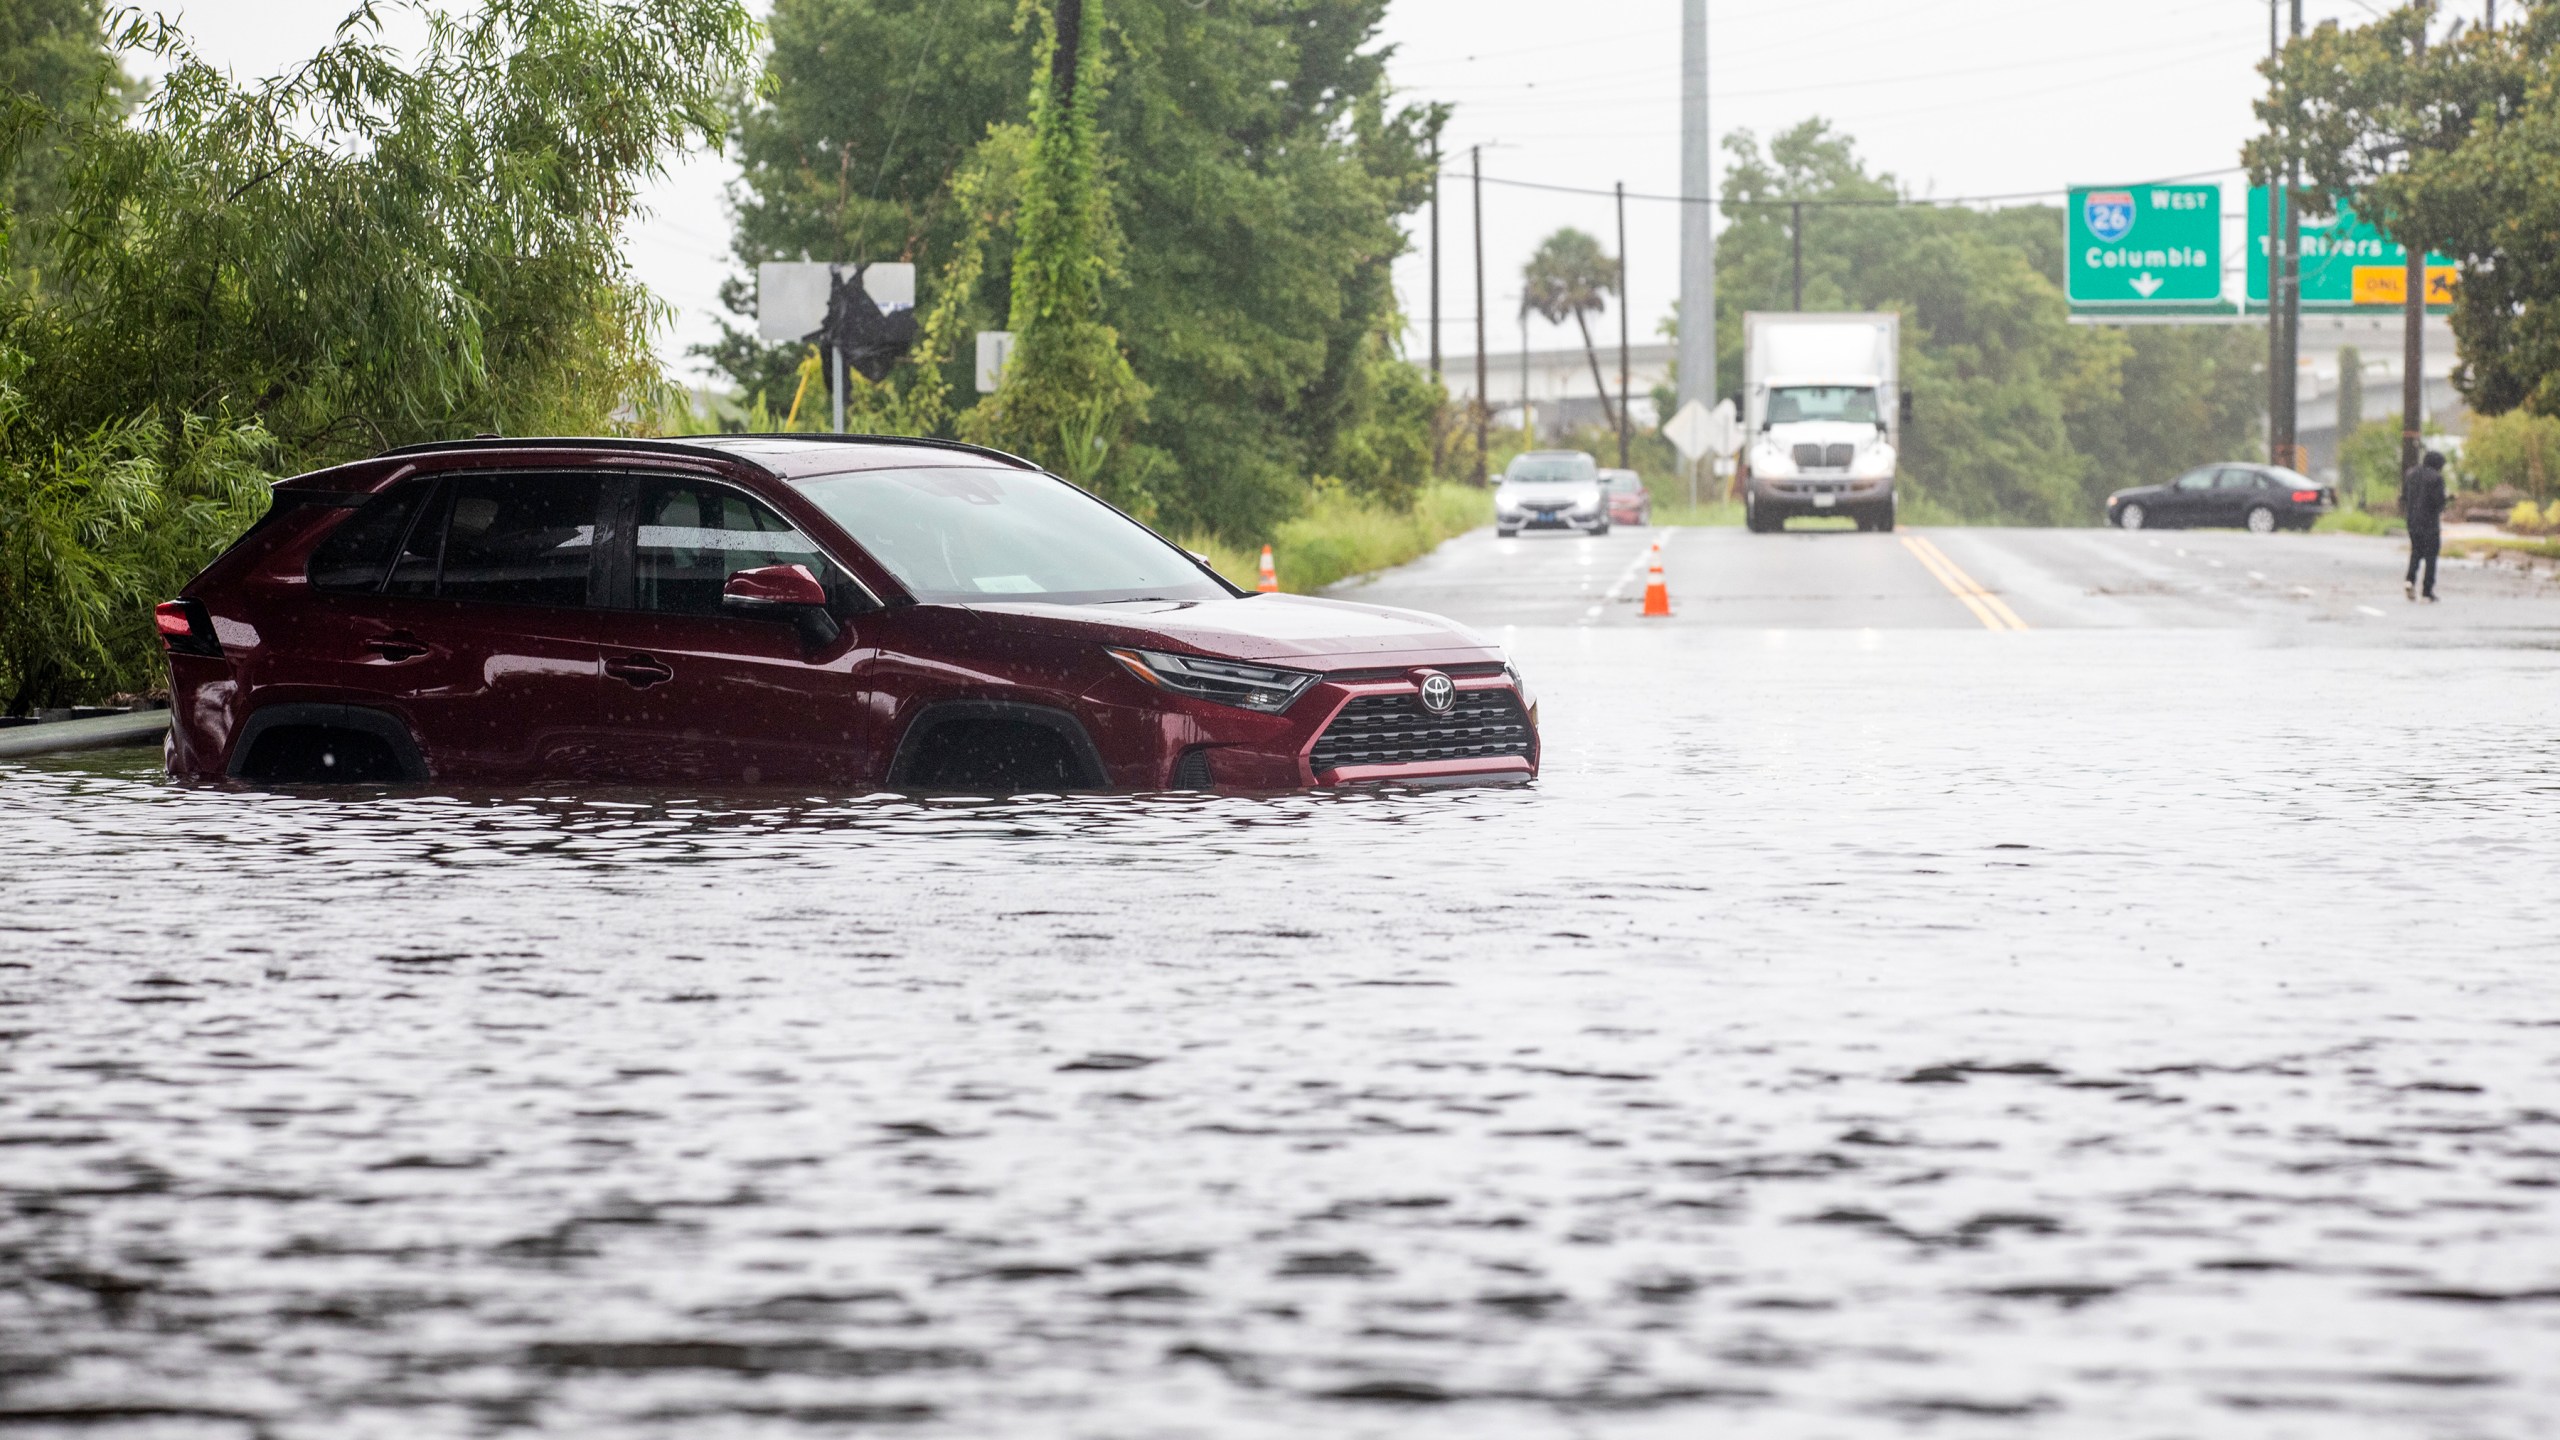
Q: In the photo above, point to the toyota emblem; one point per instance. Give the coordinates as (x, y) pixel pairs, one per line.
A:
(1439, 693)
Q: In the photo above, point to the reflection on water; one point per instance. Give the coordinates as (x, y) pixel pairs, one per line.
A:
(2139, 1035)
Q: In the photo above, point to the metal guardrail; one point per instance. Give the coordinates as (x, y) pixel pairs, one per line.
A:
(98, 732)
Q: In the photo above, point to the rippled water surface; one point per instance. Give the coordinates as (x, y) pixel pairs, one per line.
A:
(2068, 1035)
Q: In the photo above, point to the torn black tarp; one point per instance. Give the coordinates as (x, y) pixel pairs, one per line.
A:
(870, 340)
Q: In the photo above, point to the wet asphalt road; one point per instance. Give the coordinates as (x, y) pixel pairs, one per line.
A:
(1873, 1024)
(2319, 588)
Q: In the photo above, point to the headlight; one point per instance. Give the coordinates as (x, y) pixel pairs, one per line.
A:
(1875, 462)
(1768, 459)
(1252, 687)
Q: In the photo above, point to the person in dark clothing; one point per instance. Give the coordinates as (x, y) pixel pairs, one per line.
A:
(2422, 505)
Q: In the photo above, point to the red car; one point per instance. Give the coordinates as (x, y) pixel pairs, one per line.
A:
(844, 612)
(1629, 502)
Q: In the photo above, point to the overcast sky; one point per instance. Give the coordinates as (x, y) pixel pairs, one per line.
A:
(1955, 97)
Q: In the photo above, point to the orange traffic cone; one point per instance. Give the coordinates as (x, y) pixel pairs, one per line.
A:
(1269, 584)
(1657, 596)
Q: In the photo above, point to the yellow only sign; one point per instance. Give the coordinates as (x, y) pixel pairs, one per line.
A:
(2389, 284)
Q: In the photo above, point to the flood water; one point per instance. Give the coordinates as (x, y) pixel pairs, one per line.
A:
(2146, 1034)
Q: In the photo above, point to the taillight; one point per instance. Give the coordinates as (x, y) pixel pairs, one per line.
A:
(2305, 497)
(185, 628)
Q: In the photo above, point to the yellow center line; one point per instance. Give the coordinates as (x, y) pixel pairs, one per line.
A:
(1990, 609)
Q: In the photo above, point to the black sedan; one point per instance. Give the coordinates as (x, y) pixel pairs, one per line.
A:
(2259, 498)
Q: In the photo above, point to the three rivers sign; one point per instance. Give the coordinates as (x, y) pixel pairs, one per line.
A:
(2347, 265)
(2146, 249)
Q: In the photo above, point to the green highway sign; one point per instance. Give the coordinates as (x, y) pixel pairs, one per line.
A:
(2347, 265)
(2145, 248)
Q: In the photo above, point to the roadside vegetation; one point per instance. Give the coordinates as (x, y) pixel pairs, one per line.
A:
(236, 280)
(1343, 534)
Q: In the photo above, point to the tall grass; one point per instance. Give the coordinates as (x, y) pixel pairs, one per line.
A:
(1342, 535)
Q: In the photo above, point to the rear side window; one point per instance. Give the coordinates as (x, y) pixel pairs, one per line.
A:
(355, 555)
(694, 536)
(520, 539)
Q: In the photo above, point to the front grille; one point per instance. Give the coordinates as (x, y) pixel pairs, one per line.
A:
(1836, 457)
(1396, 730)
(1808, 456)
(1824, 457)
(1399, 672)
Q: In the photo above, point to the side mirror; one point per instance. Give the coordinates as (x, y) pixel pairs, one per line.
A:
(782, 592)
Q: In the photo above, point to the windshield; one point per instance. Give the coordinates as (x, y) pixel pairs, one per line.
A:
(1550, 469)
(979, 533)
(1853, 404)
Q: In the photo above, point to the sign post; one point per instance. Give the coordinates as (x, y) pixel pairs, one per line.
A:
(2145, 250)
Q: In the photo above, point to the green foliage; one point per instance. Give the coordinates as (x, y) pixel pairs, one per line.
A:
(2518, 448)
(2351, 522)
(357, 253)
(95, 529)
(2451, 146)
(1342, 534)
(1068, 397)
(2020, 417)
(2369, 463)
(54, 53)
(1255, 172)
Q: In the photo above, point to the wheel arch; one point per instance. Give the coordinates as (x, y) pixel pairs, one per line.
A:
(382, 725)
(1065, 726)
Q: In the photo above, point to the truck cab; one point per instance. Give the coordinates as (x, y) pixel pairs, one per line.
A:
(1822, 410)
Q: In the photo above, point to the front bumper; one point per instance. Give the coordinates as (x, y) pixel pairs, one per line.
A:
(1351, 727)
(1818, 494)
(1551, 519)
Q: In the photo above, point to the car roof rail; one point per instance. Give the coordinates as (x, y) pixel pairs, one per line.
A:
(583, 442)
(927, 441)
(706, 447)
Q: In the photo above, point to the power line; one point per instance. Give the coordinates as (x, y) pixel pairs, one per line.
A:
(1895, 202)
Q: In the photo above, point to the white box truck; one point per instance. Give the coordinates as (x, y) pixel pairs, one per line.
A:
(1822, 410)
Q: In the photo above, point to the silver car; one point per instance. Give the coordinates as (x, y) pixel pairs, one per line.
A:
(1550, 490)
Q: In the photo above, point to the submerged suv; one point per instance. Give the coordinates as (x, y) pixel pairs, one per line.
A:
(803, 610)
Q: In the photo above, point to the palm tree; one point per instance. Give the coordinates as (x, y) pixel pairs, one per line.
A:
(1571, 275)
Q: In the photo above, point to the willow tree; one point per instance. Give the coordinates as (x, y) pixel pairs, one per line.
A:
(1068, 396)
(265, 276)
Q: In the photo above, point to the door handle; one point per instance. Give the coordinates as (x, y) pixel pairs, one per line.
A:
(639, 671)
(397, 646)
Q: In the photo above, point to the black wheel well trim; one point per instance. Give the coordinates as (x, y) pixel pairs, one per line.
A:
(1063, 724)
(362, 719)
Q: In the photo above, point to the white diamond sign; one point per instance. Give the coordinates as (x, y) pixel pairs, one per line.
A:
(1697, 431)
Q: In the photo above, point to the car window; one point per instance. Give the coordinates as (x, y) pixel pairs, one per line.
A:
(355, 556)
(520, 539)
(693, 536)
(2237, 480)
(962, 533)
(413, 571)
(2196, 480)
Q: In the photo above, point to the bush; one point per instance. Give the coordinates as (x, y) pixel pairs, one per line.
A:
(2525, 519)
(1342, 535)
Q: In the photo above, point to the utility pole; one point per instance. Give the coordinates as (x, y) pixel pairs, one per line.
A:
(1484, 400)
(2276, 427)
(1697, 214)
(1435, 257)
(2293, 295)
(1795, 230)
(1622, 324)
(2413, 313)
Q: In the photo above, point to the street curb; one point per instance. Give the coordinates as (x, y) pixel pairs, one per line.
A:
(99, 732)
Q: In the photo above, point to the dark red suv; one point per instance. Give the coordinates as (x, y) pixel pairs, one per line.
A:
(806, 610)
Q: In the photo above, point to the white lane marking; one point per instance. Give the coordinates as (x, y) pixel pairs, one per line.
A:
(1635, 567)
(2254, 575)
(2368, 610)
